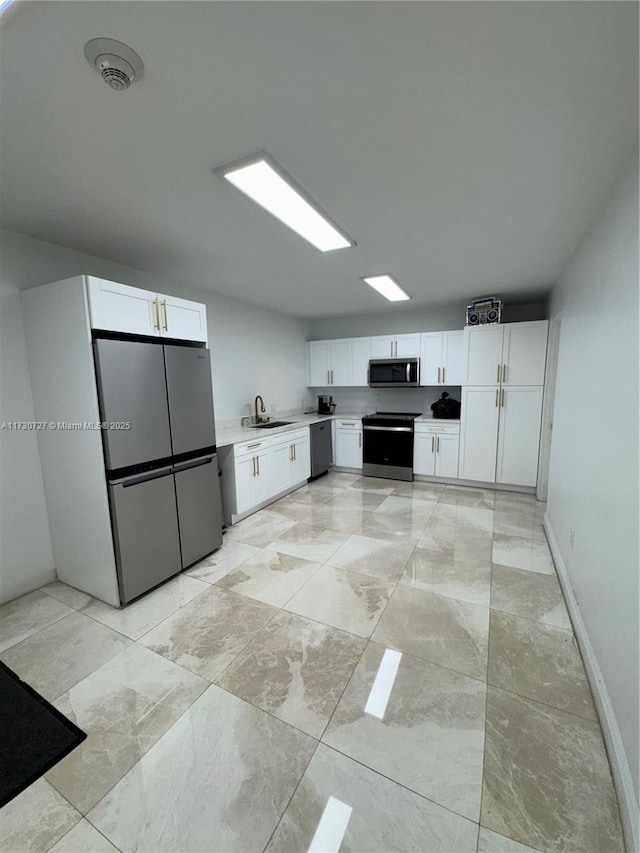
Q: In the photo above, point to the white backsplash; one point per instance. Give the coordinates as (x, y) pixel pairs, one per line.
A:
(363, 400)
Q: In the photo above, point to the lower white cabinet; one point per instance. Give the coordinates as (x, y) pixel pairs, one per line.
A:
(256, 470)
(519, 435)
(500, 434)
(435, 450)
(347, 445)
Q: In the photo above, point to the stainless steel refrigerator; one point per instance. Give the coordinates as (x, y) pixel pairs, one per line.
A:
(160, 458)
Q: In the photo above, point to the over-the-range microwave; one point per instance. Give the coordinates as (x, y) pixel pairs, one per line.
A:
(394, 373)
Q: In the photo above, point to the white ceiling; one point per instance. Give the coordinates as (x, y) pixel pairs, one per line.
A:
(464, 146)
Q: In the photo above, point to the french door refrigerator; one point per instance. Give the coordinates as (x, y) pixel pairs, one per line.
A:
(156, 401)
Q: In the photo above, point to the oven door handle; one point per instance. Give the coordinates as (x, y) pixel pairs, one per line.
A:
(388, 429)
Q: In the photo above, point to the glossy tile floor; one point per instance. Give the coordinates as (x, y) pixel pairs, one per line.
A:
(366, 666)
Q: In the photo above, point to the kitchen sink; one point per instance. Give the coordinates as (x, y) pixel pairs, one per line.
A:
(273, 424)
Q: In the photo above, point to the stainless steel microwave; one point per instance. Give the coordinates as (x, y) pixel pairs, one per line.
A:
(394, 373)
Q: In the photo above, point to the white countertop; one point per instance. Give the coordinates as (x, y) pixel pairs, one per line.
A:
(234, 434)
(226, 435)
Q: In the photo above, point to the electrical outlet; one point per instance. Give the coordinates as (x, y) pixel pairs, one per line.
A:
(572, 538)
(272, 407)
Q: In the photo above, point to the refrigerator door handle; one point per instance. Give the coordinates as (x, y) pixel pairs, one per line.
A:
(193, 463)
(136, 479)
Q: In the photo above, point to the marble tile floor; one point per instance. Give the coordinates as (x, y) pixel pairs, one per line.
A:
(364, 666)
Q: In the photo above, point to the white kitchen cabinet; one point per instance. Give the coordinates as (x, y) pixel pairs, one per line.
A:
(258, 470)
(483, 354)
(117, 307)
(121, 308)
(519, 435)
(524, 353)
(509, 354)
(252, 480)
(479, 433)
(442, 358)
(330, 363)
(361, 353)
(183, 319)
(395, 346)
(348, 444)
(435, 450)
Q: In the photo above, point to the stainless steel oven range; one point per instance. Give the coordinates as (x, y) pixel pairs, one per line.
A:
(388, 445)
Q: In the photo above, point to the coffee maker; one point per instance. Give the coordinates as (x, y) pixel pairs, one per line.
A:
(326, 406)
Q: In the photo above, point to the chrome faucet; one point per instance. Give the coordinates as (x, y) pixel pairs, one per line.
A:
(259, 420)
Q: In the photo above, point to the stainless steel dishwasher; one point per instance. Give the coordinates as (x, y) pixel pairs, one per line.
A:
(321, 448)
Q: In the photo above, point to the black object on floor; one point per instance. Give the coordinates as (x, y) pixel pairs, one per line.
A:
(33, 735)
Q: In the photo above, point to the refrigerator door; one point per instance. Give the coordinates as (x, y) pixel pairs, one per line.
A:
(132, 389)
(190, 398)
(199, 508)
(145, 526)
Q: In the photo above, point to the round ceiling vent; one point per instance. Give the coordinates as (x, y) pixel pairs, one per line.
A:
(117, 64)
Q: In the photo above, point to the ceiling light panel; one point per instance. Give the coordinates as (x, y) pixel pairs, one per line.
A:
(270, 187)
(385, 285)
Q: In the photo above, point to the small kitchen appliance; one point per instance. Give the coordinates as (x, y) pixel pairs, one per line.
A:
(388, 445)
(326, 406)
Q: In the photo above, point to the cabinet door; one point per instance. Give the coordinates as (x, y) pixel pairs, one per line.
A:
(382, 346)
(453, 358)
(349, 448)
(423, 453)
(261, 487)
(340, 366)
(244, 469)
(280, 464)
(446, 455)
(479, 433)
(319, 357)
(360, 355)
(519, 435)
(120, 308)
(407, 346)
(182, 319)
(483, 355)
(301, 463)
(430, 358)
(524, 353)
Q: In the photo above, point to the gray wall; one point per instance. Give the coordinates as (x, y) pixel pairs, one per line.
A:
(593, 475)
(254, 351)
(438, 318)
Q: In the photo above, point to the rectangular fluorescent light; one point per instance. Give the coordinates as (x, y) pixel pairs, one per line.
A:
(270, 187)
(385, 285)
(383, 684)
(331, 828)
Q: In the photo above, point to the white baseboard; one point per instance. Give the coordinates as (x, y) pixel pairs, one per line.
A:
(620, 770)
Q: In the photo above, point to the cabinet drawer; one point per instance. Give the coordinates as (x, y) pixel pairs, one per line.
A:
(438, 429)
(348, 424)
(252, 446)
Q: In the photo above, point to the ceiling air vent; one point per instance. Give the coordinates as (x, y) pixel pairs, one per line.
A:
(117, 64)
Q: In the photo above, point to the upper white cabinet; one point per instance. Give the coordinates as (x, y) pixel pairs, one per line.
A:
(524, 353)
(395, 346)
(120, 308)
(361, 353)
(442, 358)
(330, 363)
(510, 354)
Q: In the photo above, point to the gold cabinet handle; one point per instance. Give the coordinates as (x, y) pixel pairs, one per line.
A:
(443, 375)
(497, 396)
(251, 446)
(502, 400)
(295, 455)
(328, 377)
(504, 372)
(253, 466)
(432, 443)
(498, 376)
(258, 464)
(166, 321)
(437, 444)
(156, 307)
(359, 439)
(332, 377)
(438, 376)
(291, 453)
